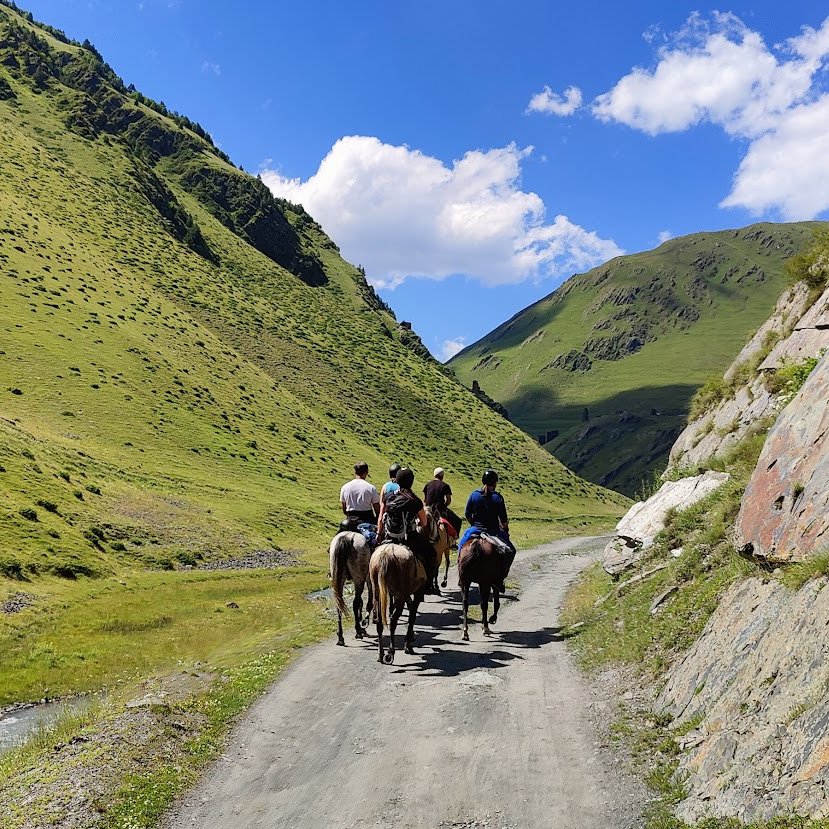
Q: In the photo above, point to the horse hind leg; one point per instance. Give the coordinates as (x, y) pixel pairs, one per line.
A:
(340, 639)
(358, 611)
(395, 616)
(412, 605)
(446, 571)
(465, 589)
(484, 590)
(496, 606)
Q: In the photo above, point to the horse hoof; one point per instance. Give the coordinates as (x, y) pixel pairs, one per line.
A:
(493, 620)
(465, 636)
(341, 642)
(389, 658)
(409, 649)
(443, 583)
(380, 659)
(359, 636)
(487, 632)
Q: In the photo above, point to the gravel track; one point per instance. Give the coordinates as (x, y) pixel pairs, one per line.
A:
(499, 733)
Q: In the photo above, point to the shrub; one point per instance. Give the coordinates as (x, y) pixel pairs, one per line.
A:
(11, 568)
(789, 377)
(29, 514)
(707, 396)
(49, 506)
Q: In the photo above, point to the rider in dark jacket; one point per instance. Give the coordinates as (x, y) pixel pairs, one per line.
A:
(413, 511)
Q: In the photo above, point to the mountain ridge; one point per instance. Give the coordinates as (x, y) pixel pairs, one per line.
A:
(594, 364)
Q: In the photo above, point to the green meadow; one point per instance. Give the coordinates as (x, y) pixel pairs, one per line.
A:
(188, 371)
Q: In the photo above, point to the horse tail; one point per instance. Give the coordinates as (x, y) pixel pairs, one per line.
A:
(382, 590)
(338, 554)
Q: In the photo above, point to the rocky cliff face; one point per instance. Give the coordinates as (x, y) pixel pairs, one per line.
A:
(790, 334)
(785, 510)
(756, 683)
(756, 680)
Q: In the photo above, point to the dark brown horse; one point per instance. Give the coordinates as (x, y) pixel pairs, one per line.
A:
(485, 564)
(398, 580)
(349, 555)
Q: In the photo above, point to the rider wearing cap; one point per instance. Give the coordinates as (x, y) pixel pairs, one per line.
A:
(438, 495)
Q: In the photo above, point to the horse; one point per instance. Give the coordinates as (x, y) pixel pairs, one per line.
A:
(441, 541)
(481, 561)
(349, 555)
(398, 579)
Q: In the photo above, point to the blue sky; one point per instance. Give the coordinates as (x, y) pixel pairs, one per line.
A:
(470, 154)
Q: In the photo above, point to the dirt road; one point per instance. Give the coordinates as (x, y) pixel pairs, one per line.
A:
(490, 733)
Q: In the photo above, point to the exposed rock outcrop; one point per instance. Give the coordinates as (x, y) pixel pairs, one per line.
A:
(636, 532)
(784, 515)
(801, 332)
(758, 676)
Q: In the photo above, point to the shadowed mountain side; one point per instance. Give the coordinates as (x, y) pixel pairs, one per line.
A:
(621, 441)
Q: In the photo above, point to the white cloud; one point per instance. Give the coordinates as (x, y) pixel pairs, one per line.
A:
(552, 103)
(664, 235)
(450, 348)
(402, 213)
(787, 169)
(209, 66)
(716, 70)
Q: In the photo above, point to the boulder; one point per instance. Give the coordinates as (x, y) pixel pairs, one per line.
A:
(784, 515)
(636, 531)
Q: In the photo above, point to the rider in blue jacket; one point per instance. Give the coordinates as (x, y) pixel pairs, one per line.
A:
(487, 511)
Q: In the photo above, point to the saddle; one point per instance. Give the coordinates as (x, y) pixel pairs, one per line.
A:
(501, 547)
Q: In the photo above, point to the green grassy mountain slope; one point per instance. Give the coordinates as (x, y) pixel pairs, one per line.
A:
(189, 369)
(611, 359)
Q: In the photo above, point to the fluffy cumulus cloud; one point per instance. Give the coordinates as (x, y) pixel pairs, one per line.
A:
(551, 103)
(402, 213)
(716, 70)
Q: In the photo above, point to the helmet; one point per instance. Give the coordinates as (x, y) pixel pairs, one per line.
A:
(405, 477)
(393, 470)
(490, 477)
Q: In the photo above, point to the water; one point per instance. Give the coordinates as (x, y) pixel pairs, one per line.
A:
(320, 595)
(18, 726)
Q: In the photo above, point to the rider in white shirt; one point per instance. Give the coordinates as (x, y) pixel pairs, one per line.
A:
(359, 499)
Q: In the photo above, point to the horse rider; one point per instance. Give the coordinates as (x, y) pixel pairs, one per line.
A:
(487, 511)
(359, 499)
(399, 516)
(391, 485)
(437, 494)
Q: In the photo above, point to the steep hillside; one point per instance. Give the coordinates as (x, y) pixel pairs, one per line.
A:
(604, 368)
(722, 607)
(188, 369)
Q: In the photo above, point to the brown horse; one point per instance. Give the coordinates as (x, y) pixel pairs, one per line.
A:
(349, 555)
(441, 541)
(481, 561)
(398, 580)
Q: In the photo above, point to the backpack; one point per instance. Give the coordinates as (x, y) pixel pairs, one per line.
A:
(395, 521)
